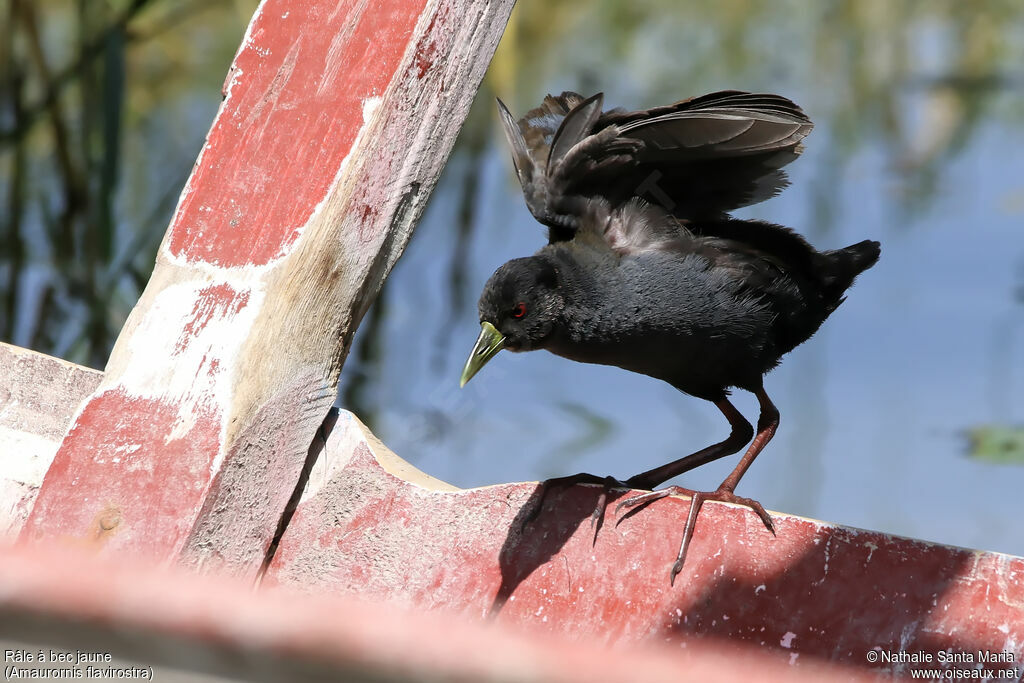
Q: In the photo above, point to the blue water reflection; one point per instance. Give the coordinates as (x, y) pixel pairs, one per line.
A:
(917, 145)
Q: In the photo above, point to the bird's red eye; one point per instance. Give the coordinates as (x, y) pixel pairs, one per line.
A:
(519, 311)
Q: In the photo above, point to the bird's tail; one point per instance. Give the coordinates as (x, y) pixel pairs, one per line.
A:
(842, 266)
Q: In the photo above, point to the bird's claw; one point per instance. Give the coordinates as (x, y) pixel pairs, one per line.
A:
(649, 497)
(606, 483)
(756, 507)
(697, 499)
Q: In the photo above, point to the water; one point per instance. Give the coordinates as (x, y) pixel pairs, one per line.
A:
(912, 147)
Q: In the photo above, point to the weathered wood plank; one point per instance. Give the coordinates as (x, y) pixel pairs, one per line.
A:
(207, 624)
(817, 591)
(337, 120)
(39, 395)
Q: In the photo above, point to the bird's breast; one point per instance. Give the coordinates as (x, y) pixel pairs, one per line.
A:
(664, 317)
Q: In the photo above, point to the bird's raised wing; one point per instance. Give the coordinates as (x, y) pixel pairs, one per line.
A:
(696, 159)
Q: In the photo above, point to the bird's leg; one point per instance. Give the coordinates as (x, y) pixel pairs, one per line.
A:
(739, 436)
(767, 423)
(741, 433)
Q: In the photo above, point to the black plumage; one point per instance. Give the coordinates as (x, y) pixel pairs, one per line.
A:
(645, 269)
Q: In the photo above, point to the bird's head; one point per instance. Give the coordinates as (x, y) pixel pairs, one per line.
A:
(518, 310)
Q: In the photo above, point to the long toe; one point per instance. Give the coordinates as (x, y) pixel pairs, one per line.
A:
(558, 483)
(726, 496)
(730, 497)
(721, 495)
(597, 516)
(651, 496)
(696, 502)
(697, 499)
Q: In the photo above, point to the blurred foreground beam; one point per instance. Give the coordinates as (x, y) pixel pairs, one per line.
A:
(143, 617)
(337, 120)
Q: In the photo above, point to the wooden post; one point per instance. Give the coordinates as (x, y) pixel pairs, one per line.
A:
(337, 120)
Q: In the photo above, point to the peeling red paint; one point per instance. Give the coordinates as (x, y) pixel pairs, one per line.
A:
(220, 301)
(155, 483)
(426, 50)
(368, 213)
(266, 166)
(816, 591)
(373, 190)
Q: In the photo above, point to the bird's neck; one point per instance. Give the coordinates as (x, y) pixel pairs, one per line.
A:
(584, 289)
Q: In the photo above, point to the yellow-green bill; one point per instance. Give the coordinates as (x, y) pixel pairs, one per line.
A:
(487, 345)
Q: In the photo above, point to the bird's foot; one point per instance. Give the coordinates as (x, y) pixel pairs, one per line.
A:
(723, 495)
(606, 483)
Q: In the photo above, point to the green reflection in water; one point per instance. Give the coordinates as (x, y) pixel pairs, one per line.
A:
(997, 444)
(104, 107)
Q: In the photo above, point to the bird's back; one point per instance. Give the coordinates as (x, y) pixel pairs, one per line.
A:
(801, 285)
(710, 309)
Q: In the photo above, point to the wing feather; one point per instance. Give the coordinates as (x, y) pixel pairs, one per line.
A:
(696, 159)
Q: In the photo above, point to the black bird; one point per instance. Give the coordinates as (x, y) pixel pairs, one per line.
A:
(645, 269)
